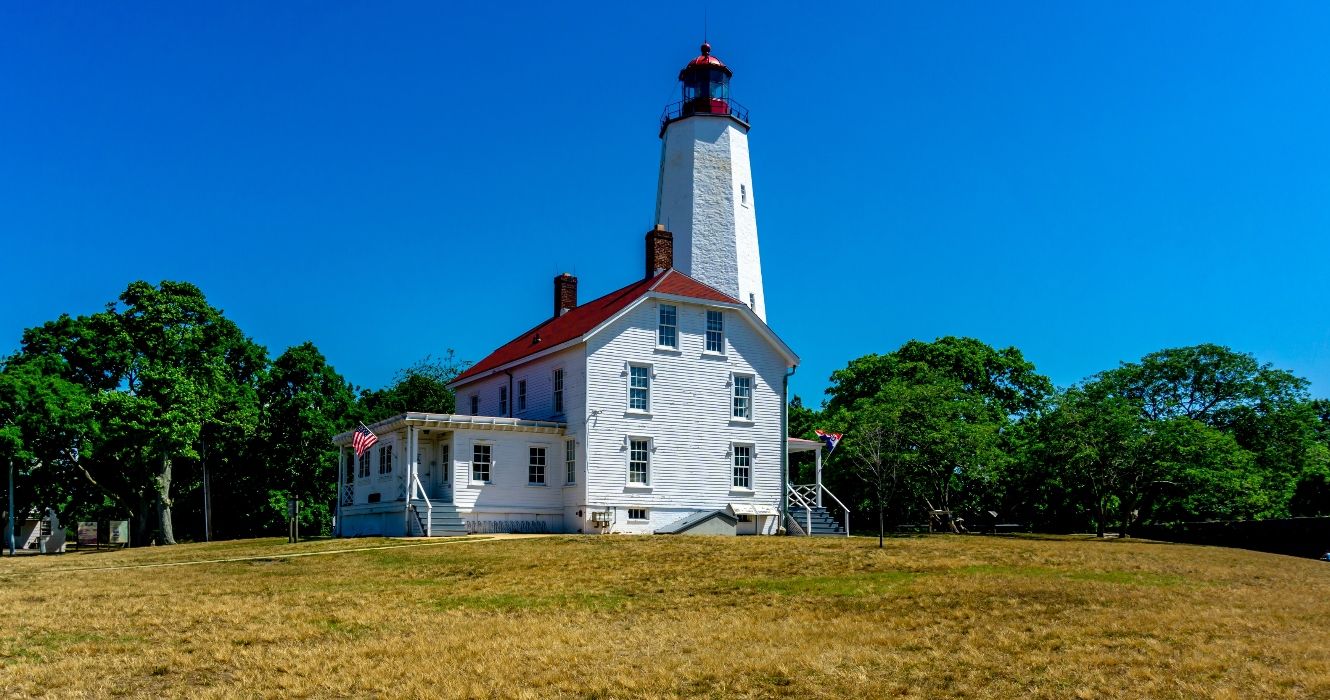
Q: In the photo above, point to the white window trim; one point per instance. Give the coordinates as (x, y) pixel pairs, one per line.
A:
(646, 515)
(752, 467)
(628, 462)
(558, 390)
(521, 395)
(538, 446)
(677, 334)
(576, 452)
(752, 394)
(503, 400)
(471, 464)
(706, 331)
(628, 387)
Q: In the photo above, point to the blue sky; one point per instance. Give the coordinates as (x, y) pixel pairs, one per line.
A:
(1089, 182)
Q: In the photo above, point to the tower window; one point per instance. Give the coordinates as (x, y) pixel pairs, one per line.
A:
(743, 195)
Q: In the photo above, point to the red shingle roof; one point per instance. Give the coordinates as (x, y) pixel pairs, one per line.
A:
(584, 317)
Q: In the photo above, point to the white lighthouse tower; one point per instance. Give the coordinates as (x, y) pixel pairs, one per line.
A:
(705, 195)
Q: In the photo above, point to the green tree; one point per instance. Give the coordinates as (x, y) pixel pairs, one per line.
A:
(305, 403)
(421, 387)
(165, 371)
(1099, 441)
(968, 399)
(1265, 410)
(44, 421)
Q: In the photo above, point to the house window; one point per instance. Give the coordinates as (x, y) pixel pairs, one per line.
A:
(558, 390)
(364, 464)
(637, 513)
(639, 461)
(445, 459)
(481, 461)
(744, 518)
(386, 459)
(743, 466)
(570, 461)
(475, 405)
(536, 470)
(667, 335)
(521, 395)
(503, 400)
(715, 332)
(742, 405)
(639, 388)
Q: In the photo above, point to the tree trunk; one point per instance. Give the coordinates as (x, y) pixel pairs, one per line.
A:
(164, 501)
(881, 525)
(1100, 516)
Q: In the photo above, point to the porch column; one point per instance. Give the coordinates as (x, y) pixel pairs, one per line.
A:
(817, 456)
(406, 477)
(341, 486)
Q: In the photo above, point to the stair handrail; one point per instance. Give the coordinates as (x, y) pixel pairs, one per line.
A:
(808, 509)
(418, 488)
(845, 511)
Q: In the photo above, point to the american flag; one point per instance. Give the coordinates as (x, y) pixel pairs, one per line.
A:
(831, 439)
(363, 440)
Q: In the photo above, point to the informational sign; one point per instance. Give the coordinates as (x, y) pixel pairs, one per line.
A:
(120, 532)
(88, 534)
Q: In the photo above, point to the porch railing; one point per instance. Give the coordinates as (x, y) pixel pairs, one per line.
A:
(417, 490)
(807, 496)
(798, 498)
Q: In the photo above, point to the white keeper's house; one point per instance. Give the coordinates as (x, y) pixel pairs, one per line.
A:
(658, 407)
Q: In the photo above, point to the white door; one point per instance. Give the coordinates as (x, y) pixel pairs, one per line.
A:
(442, 472)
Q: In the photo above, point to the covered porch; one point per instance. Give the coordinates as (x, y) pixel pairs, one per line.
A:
(812, 508)
(408, 483)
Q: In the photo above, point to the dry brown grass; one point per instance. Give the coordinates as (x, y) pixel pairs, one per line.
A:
(945, 616)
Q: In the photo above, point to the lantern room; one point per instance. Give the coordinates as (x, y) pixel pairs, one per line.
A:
(705, 83)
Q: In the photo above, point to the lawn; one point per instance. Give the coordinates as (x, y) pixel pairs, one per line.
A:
(633, 617)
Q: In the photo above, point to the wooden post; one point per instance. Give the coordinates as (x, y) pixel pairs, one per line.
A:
(818, 456)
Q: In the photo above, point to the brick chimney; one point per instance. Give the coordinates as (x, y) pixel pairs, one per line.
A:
(565, 294)
(660, 250)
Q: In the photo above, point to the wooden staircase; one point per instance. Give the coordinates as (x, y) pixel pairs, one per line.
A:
(443, 520)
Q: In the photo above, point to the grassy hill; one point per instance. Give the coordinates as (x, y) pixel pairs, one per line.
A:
(928, 617)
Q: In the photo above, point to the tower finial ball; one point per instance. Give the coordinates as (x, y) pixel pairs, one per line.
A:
(706, 49)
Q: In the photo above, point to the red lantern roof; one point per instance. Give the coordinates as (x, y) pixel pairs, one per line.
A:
(706, 60)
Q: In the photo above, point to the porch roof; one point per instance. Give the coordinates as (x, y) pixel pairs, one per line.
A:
(449, 421)
(801, 445)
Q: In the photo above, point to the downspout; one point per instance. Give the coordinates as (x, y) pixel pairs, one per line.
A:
(785, 446)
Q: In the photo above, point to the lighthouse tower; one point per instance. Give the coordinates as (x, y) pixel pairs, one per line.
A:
(705, 195)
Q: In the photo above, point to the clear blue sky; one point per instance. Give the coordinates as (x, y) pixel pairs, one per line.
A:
(1087, 181)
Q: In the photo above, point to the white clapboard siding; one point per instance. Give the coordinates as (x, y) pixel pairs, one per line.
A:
(689, 421)
(512, 489)
(509, 490)
(539, 376)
